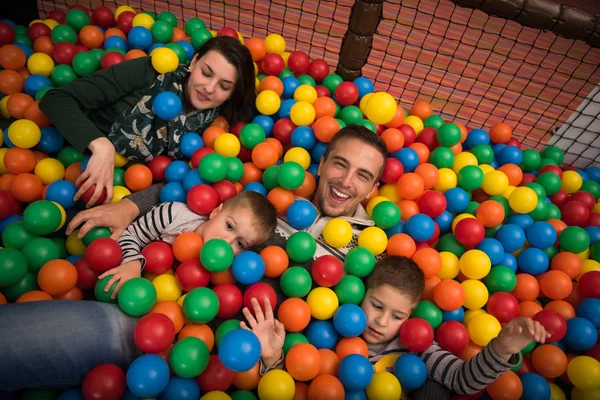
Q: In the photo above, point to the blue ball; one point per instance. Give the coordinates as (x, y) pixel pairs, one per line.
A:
(410, 371)
(510, 155)
(398, 228)
(594, 233)
(173, 191)
(590, 310)
(256, 187)
(313, 170)
(61, 192)
(493, 248)
(166, 105)
(533, 261)
(51, 141)
(511, 236)
(322, 334)
(239, 350)
(420, 227)
(9, 220)
(541, 234)
(191, 179)
(304, 137)
(71, 394)
(444, 221)
(301, 214)
(190, 142)
(176, 170)
(583, 175)
(454, 315)
(475, 137)
(510, 261)
(408, 157)
(497, 148)
(355, 372)
(285, 108)
(148, 376)
(155, 46)
(561, 345)
(115, 42)
(593, 173)
(364, 85)
(317, 152)
(73, 258)
(290, 84)
(535, 387)
(265, 122)
(522, 220)
(349, 320)
(581, 334)
(248, 268)
(84, 162)
(7, 141)
(189, 49)
(494, 164)
(35, 82)
(26, 49)
(139, 38)
(355, 395)
(457, 200)
(181, 389)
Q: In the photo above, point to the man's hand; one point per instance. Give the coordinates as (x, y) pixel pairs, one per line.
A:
(114, 216)
(121, 274)
(516, 335)
(269, 331)
(99, 171)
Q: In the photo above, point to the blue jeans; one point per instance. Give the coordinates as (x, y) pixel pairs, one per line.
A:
(53, 344)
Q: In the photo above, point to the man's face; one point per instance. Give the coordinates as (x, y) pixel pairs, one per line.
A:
(347, 177)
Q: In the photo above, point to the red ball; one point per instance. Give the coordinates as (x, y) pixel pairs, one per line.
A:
(593, 220)
(199, 155)
(216, 376)
(159, 257)
(526, 367)
(586, 198)
(86, 276)
(64, 52)
(318, 70)
(245, 155)
(237, 128)
(589, 284)
(574, 213)
(527, 178)
(104, 382)
(428, 138)
(282, 130)
(191, 274)
(422, 245)
(434, 238)
(469, 232)
(409, 134)
(379, 128)
(103, 17)
(58, 16)
(112, 58)
(452, 336)
(125, 21)
(230, 300)
(327, 271)
(479, 195)
(322, 91)
(154, 333)
(260, 291)
(37, 30)
(103, 254)
(551, 168)
(416, 334)
(78, 7)
(298, 62)
(225, 190)
(392, 171)
(514, 142)
(273, 64)
(554, 323)
(7, 34)
(432, 203)
(202, 199)
(8, 205)
(594, 352)
(90, 192)
(559, 198)
(346, 93)
(158, 165)
(504, 306)
(226, 31)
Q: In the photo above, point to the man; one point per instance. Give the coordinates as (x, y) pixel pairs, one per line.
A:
(349, 172)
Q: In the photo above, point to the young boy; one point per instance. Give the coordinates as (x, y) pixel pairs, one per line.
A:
(394, 289)
(244, 221)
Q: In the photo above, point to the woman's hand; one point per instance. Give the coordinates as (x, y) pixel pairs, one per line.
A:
(269, 331)
(115, 216)
(122, 274)
(99, 171)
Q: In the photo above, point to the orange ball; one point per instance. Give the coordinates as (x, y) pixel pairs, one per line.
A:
(179, 34)
(11, 82)
(329, 362)
(303, 361)
(172, 310)
(34, 295)
(449, 295)
(187, 246)
(33, 113)
(57, 277)
(91, 37)
(308, 186)
(410, 186)
(354, 345)
(138, 177)
(271, 83)
(470, 351)
(73, 294)
(326, 387)
(18, 160)
(135, 53)
(221, 122)
(277, 144)
(401, 244)
(114, 32)
(393, 138)
(555, 285)
(457, 148)
(325, 128)
(251, 174)
(566, 262)
(219, 278)
(39, 156)
(294, 314)
(44, 44)
(257, 48)
(408, 208)
(558, 226)
(507, 387)
(324, 106)
(276, 261)
(26, 188)
(2, 299)
(5, 181)
(397, 120)
(247, 380)
(202, 332)
(301, 391)
(529, 308)
(429, 260)
(211, 134)
(264, 155)
(574, 298)
(281, 199)
(430, 283)
(421, 109)
(549, 361)
(17, 104)
(73, 172)
(562, 307)
(490, 213)
(500, 133)
(422, 151)
(513, 172)
(527, 288)
(12, 57)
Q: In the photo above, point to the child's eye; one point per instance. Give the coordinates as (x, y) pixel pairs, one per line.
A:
(398, 318)
(377, 306)
(229, 226)
(241, 245)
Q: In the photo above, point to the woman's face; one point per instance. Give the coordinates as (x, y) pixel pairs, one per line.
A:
(212, 80)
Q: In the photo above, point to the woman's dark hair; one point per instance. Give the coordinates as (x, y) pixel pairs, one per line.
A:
(243, 97)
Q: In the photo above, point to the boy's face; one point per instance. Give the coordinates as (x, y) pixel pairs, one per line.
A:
(236, 225)
(386, 310)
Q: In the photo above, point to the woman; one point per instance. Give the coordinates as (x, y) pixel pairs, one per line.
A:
(118, 103)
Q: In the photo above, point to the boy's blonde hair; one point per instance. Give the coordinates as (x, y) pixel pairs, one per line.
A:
(401, 273)
(261, 209)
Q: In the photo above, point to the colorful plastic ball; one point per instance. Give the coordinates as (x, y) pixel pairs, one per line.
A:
(62, 192)
(322, 302)
(296, 282)
(589, 284)
(216, 255)
(500, 279)
(24, 133)
(290, 175)
(420, 227)
(384, 386)
(137, 296)
(386, 214)
(106, 381)
(349, 320)
(200, 305)
(483, 328)
(523, 200)
(355, 372)
(268, 102)
(248, 267)
(511, 237)
(416, 334)
(337, 232)
(301, 247)
(42, 217)
(381, 107)
(180, 388)
(276, 385)
(410, 371)
(350, 290)
(553, 322)
(167, 105)
(476, 294)
(584, 373)
(189, 357)
(322, 334)
(469, 232)
(13, 266)
(374, 239)
(147, 376)
(213, 167)
(581, 334)
(239, 350)
(534, 386)
(154, 333)
(452, 336)
(533, 261)
(574, 239)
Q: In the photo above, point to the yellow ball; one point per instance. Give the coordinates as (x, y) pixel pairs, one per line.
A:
(275, 43)
(450, 266)
(462, 160)
(167, 288)
(596, 207)
(120, 161)
(24, 133)
(337, 233)
(213, 33)
(363, 103)
(276, 385)
(227, 145)
(255, 69)
(268, 102)
(390, 192)
(584, 255)
(475, 264)
(299, 155)
(415, 122)
(373, 239)
(584, 373)
(3, 169)
(578, 394)
(3, 109)
(381, 108)
(322, 302)
(35, 21)
(373, 202)
(49, 170)
(143, 19)
(384, 386)
(240, 37)
(476, 294)
(459, 218)
(181, 299)
(588, 265)
(305, 93)
(556, 392)
(571, 181)
(485, 168)
(256, 83)
(302, 113)
(1, 137)
(41, 64)
(164, 60)
(121, 9)
(470, 314)
(63, 215)
(50, 23)
(118, 193)
(494, 183)
(286, 56)
(483, 328)
(216, 395)
(523, 200)
(74, 245)
(506, 194)
(447, 180)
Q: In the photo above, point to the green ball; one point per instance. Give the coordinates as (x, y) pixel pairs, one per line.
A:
(85, 64)
(213, 167)
(574, 239)
(235, 169)
(99, 53)
(115, 49)
(42, 217)
(99, 292)
(332, 81)
(77, 19)
(162, 31)
(13, 266)
(38, 252)
(595, 251)
(531, 160)
(434, 121)
(368, 124)
(201, 305)
(189, 357)
(307, 80)
(295, 282)
(359, 262)
(448, 242)
(63, 33)
(551, 252)
(386, 214)
(285, 73)
(68, 155)
(168, 17)
(472, 208)
(179, 50)
(350, 290)
(483, 153)
(491, 232)
(199, 37)
(547, 161)
(500, 279)
(529, 348)
(552, 212)
(592, 187)
(448, 135)
(16, 235)
(338, 108)
(95, 233)
(251, 135)
(300, 247)
(505, 204)
(428, 311)
(553, 153)
(550, 182)
(137, 296)
(270, 177)
(61, 244)
(224, 328)
(442, 157)
(243, 395)
(20, 30)
(119, 177)
(351, 114)
(260, 77)
(62, 75)
(470, 177)
(40, 93)
(540, 210)
(194, 24)
(216, 255)
(538, 189)
(27, 284)
(292, 339)
(290, 175)
(341, 123)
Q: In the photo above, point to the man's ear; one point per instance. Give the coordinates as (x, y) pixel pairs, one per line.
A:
(321, 161)
(214, 212)
(375, 186)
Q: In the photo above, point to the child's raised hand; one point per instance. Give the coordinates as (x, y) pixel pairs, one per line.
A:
(517, 334)
(269, 331)
(122, 274)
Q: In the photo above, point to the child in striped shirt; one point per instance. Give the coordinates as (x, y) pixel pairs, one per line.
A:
(243, 221)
